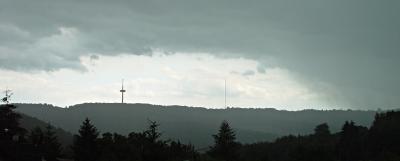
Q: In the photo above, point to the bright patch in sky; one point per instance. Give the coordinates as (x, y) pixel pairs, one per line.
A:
(167, 79)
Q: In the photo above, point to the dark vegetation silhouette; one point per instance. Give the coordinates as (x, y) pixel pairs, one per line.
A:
(225, 146)
(194, 125)
(353, 143)
(45, 143)
(143, 146)
(381, 141)
(85, 144)
(65, 138)
(17, 144)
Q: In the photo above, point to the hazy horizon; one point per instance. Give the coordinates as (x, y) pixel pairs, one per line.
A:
(297, 109)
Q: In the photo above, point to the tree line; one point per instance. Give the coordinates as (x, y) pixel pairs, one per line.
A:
(353, 143)
(381, 141)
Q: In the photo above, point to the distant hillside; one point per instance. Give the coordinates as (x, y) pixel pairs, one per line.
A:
(28, 123)
(195, 125)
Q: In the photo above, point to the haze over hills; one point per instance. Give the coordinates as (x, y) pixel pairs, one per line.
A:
(29, 123)
(194, 124)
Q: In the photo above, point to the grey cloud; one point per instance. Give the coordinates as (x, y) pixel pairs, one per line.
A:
(261, 69)
(351, 45)
(59, 50)
(245, 73)
(248, 73)
(234, 72)
(94, 57)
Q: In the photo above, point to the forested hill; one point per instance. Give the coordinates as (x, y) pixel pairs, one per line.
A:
(29, 123)
(194, 124)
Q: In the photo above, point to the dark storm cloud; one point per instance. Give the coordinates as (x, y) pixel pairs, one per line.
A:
(350, 44)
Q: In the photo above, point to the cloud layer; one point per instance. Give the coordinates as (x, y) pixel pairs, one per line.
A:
(339, 45)
(183, 79)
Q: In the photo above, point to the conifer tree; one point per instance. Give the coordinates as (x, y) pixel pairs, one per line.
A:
(322, 130)
(51, 146)
(85, 144)
(384, 136)
(106, 147)
(10, 134)
(35, 138)
(152, 133)
(225, 147)
(9, 122)
(351, 145)
(153, 147)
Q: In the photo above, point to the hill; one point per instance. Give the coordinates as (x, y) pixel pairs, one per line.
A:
(194, 124)
(28, 123)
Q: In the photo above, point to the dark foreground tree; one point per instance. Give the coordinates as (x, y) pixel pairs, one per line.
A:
(12, 145)
(143, 146)
(179, 151)
(154, 148)
(51, 146)
(384, 136)
(225, 147)
(45, 143)
(35, 138)
(85, 144)
(9, 122)
(322, 130)
(351, 145)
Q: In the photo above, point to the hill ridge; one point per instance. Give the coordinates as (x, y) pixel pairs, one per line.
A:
(194, 124)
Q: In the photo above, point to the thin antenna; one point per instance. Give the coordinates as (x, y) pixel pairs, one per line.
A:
(8, 96)
(225, 93)
(122, 91)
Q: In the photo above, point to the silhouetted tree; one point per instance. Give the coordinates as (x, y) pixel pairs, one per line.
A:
(351, 145)
(12, 135)
(225, 147)
(143, 146)
(85, 144)
(179, 151)
(322, 130)
(154, 149)
(322, 145)
(36, 138)
(45, 143)
(384, 136)
(121, 148)
(51, 146)
(152, 133)
(9, 122)
(106, 147)
(137, 143)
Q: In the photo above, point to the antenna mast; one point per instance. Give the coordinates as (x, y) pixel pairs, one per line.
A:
(122, 91)
(8, 96)
(225, 93)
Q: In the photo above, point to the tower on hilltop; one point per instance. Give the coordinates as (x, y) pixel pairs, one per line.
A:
(122, 91)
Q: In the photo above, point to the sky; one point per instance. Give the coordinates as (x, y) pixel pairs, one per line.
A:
(286, 54)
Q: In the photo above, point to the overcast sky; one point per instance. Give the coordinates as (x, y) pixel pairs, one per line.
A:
(287, 54)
